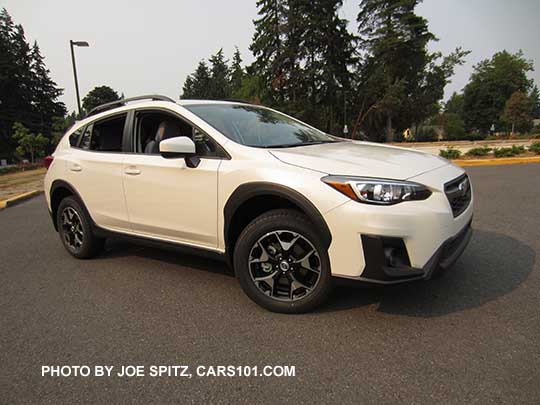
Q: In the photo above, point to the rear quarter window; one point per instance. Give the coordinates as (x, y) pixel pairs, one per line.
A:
(75, 137)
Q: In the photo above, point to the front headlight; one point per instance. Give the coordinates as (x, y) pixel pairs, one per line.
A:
(377, 191)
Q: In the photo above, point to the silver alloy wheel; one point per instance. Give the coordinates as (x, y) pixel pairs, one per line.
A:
(72, 230)
(284, 265)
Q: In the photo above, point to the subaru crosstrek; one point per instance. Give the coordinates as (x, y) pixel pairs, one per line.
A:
(288, 206)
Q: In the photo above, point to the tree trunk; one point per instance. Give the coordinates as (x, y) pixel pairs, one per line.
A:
(389, 131)
(512, 128)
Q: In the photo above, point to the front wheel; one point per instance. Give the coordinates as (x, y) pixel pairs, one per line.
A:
(282, 264)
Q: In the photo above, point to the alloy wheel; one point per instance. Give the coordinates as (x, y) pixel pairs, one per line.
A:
(72, 229)
(284, 265)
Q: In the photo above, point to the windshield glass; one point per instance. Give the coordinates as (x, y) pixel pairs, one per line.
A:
(258, 126)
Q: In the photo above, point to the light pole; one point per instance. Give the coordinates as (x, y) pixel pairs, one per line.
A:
(71, 44)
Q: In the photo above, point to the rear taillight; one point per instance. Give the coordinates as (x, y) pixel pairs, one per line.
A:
(48, 161)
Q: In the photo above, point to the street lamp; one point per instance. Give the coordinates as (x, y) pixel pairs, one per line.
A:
(72, 44)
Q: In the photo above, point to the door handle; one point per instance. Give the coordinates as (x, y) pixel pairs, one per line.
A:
(132, 170)
(74, 167)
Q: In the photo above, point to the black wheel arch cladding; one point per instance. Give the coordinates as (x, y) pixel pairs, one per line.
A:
(248, 191)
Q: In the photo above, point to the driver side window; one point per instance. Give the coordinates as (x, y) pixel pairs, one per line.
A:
(151, 127)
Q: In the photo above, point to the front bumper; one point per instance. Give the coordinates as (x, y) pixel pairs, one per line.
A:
(430, 233)
(377, 269)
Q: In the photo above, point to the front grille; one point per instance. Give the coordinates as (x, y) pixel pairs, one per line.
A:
(458, 192)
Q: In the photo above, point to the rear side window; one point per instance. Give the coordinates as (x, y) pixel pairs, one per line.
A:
(75, 136)
(105, 135)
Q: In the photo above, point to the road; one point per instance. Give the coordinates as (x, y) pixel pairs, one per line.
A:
(471, 336)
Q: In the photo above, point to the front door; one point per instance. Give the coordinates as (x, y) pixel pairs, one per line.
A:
(165, 198)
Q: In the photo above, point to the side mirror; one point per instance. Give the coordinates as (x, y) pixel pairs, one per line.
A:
(179, 147)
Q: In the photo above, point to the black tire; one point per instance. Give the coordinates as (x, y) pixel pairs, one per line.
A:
(77, 237)
(283, 223)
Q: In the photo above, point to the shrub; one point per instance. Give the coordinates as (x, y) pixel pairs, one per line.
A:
(535, 148)
(450, 153)
(483, 151)
(509, 152)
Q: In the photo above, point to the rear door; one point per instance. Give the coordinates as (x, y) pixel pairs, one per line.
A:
(165, 198)
(94, 168)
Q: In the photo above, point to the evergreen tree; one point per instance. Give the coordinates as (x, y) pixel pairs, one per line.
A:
(237, 73)
(219, 87)
(329, 56)
(535, 102)
(268, 48)
(45, 93)
(197, 85)
(27, 93)
(400, 82)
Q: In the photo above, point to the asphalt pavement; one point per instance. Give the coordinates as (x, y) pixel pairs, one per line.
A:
(470, 336)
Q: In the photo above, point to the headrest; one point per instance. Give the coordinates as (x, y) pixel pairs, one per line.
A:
(167, 129)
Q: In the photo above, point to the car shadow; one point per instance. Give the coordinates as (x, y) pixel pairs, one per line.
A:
(492, 266)
(115, 248)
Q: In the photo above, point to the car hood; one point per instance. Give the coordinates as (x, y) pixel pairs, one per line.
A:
(354, 158)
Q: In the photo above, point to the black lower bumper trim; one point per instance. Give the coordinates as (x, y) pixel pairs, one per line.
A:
(377, 270)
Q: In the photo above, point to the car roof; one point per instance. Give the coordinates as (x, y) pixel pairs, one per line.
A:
(192, 102)
(149, 103)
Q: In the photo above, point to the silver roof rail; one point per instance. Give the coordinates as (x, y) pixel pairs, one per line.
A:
(124, 101)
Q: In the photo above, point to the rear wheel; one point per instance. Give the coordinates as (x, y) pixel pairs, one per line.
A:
(75, 230)
(282, 264)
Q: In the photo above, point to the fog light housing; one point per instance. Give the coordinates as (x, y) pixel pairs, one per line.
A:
(395, 253)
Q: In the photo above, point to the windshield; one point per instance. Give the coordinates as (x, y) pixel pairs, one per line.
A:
(258, 126)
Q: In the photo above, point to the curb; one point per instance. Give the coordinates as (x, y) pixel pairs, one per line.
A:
(19, 198)
(497, 162)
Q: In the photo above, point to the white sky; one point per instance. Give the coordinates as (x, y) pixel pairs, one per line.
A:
(141, 47)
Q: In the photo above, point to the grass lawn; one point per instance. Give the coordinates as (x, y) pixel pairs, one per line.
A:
(13, 184)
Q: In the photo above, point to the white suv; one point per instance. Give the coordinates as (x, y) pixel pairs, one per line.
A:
(288, 206)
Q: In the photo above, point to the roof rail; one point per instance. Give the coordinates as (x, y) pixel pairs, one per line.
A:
(124, 101)
(234, 100)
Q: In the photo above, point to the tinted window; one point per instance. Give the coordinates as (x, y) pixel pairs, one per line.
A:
(85, 141)
(148, 123)
(258, 126)
(106, 135)
(74, 137)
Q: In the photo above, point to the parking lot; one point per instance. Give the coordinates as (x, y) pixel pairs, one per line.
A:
(470, 336)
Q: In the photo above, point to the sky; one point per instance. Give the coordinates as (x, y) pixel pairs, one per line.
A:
(148, 47)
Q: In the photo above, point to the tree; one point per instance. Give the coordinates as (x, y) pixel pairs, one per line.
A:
(535, 101)
(237, 73)
(27, 93)
(400, 82)
(60, 125)
(99, 95)
(454, 127)
(304, 55)
(454, 105)
(197, 85)
(492, 83)
(28, 142)
(267, 46)
(328, 57)
(219, 86)
(517, 111)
